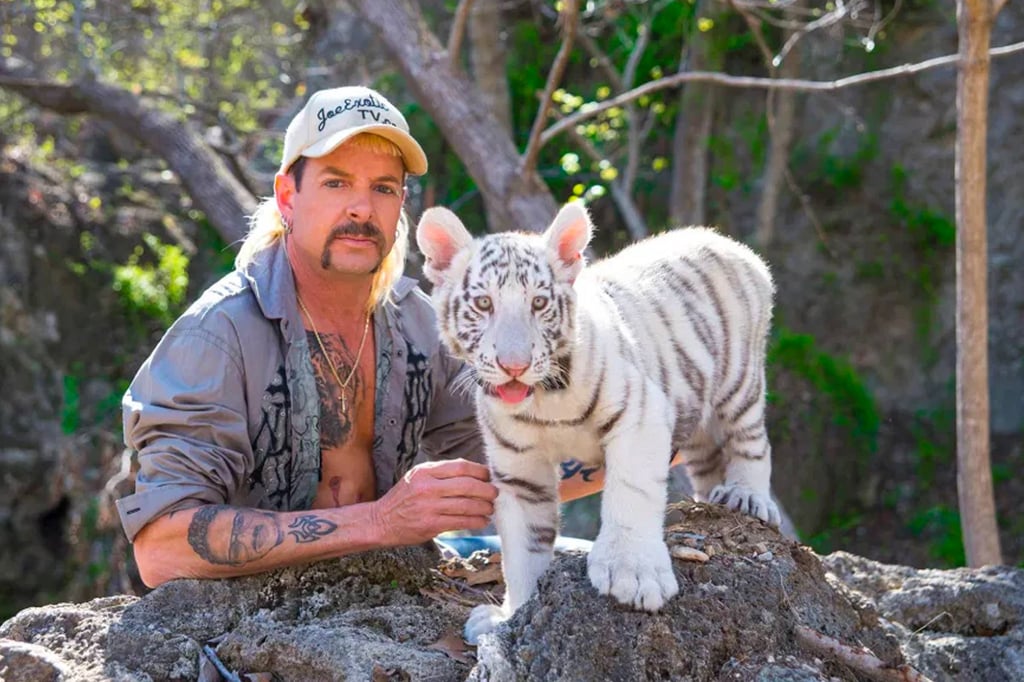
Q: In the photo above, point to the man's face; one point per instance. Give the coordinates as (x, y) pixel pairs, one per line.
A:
(345, 214)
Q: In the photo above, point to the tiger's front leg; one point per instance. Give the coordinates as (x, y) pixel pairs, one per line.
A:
(526, 515)
(629, 559)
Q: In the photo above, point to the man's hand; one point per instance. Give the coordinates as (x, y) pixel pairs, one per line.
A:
(433, 498)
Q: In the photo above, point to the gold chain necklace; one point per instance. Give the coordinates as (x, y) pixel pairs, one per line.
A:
(330, 363)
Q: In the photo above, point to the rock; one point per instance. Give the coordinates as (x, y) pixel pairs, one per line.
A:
(21, 662)
(732, 619)
(331, 620)
(748, 613)
(958, 624)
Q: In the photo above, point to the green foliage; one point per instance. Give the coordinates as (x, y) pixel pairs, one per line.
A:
(941, 526)
(932, 235)
(934, 433)
(931, 232)
(229, 53)
(828, 539)
(154, 291)
(69, 415)
(848, 399)
(832, 166)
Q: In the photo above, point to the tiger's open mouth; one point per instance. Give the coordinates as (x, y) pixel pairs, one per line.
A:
(511, 392)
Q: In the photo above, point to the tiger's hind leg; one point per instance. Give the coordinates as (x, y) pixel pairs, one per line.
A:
(747, 454)
(703, 455)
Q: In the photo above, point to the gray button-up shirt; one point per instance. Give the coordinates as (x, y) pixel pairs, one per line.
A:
(226, 411)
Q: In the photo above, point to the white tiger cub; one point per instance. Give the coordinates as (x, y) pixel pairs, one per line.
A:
(655, 350)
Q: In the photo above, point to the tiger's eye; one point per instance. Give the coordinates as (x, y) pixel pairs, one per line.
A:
(483, 303)
(540, 302)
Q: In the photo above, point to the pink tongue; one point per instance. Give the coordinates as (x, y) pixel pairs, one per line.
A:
(512, 392)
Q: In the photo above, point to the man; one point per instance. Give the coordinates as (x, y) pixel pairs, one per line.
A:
(285, 416)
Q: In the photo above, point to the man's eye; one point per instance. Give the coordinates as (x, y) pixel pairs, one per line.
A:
(386, 189)
(540, 303)
(333, 183)
(483, 303)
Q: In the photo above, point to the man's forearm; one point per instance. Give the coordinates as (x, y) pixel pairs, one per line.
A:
(217, 541)
(577, 479)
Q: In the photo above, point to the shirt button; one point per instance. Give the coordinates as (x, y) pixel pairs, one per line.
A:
(392, 422)
(399, 353)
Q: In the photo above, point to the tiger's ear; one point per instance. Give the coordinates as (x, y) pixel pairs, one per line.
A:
(567, 237)
(440, 235)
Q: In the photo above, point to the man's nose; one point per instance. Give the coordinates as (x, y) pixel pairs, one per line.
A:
(360, 209)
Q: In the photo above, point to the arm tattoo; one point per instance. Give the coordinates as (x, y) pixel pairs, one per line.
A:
(309, 528)
(573, 466)
(252, 534)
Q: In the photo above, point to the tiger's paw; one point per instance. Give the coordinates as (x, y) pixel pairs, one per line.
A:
(482, 620)
(636, 573)
(748, 501)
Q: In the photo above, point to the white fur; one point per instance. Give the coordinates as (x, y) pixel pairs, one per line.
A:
(667, 352)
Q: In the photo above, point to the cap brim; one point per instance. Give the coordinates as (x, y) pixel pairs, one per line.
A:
(412, 153)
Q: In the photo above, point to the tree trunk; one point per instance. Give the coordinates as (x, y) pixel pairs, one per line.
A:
(206, 178)
(690, 152)
(781, 113)
(514, 200)
(974, 475)
(487, 59)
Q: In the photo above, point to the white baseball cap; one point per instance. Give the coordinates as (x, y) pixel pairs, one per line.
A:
(333, 116)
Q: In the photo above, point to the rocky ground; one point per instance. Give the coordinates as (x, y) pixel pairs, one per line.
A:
(753, 605)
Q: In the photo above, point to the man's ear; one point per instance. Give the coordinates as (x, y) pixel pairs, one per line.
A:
(440, 235)
(284, 191)
(566, 239)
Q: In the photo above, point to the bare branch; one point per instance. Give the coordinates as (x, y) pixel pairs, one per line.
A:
(513, 199)
(834, 17)
(754, 25)
(458, 31)
(862, 660)
(570, 17)
(212, 186)
(635, 224)
(634, 134)
(602, 59)
(589, 111)
(643, 38)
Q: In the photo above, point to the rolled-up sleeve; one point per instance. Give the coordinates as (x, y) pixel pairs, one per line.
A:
(185, 417)
(451, 431)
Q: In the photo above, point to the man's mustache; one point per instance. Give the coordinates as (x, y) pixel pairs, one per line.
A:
(352, 228)
(365, 230)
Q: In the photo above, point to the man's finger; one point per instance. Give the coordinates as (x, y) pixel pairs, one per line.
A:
(464, 486)
(458, 522)
(458, 467)
(464, 506)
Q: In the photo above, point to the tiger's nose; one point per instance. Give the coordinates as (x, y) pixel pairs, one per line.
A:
(513, 369)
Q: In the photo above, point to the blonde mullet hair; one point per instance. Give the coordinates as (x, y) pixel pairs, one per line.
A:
(266, 226)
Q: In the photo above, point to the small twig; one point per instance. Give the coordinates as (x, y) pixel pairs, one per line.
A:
(727, 80)
(805, 203)
(635, 224)
(634, 133)
(861, 660)
(755, 29)
(602, 59)
(944, 613)
(570, 18)
(834, 17)
(458, 31)
(465, 587)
